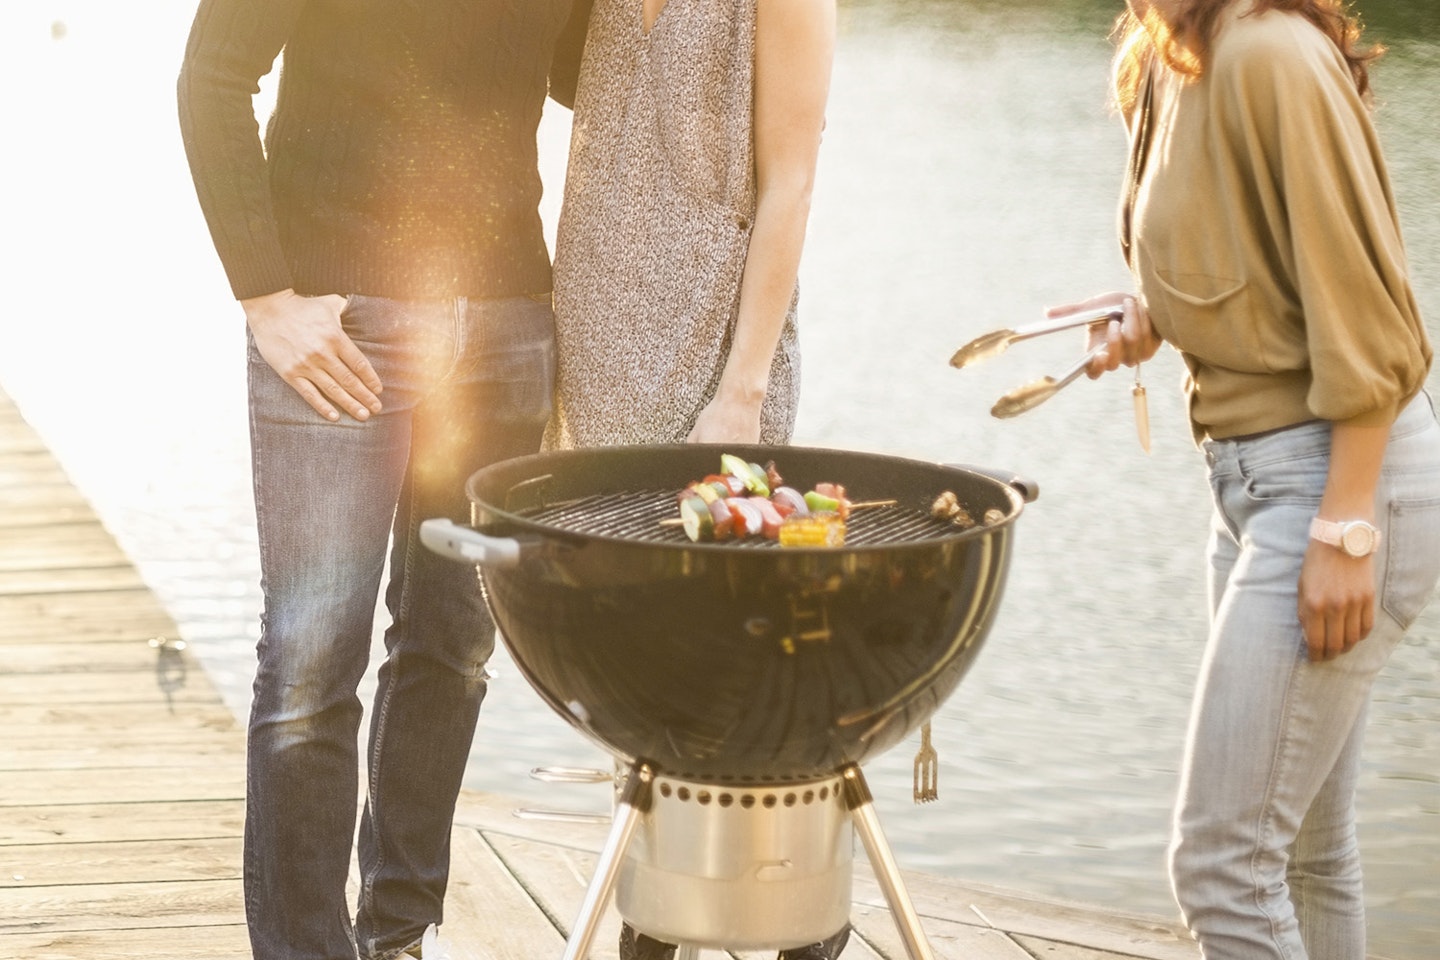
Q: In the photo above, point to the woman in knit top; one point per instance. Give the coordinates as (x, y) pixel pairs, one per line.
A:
(1259, 226)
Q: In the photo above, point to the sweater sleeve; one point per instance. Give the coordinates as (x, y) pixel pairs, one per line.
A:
(1293, 109)
(565, 68)
(232, 44)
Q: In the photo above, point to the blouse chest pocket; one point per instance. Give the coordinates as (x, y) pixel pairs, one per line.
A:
(1209, 317)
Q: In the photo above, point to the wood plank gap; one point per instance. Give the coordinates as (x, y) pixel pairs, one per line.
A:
(561, 926)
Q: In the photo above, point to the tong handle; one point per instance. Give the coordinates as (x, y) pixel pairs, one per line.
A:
(1069, 376)
(1053, 324)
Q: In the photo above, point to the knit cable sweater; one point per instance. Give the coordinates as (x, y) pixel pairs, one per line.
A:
(400, 160)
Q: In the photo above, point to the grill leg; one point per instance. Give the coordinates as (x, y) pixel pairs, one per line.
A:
(633, 804)
(862, 810)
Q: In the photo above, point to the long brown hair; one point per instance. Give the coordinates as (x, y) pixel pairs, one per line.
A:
(1182, 39)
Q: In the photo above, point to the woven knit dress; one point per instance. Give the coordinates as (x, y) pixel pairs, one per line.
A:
(655, 224)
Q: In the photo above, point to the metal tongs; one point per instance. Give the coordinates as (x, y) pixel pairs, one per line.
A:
(1032, 394)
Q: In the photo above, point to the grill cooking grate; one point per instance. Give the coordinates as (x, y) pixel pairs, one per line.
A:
(642, 516)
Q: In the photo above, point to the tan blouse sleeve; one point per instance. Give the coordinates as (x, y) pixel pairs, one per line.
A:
(1292, 109)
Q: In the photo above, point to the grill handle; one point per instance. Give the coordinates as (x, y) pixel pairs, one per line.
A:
(1027, 488)
(467, 545)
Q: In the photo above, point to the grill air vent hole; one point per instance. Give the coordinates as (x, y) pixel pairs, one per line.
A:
(747, 801)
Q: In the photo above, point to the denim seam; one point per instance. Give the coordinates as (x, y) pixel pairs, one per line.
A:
(1266, 825)
(401, 624)
(252, 902)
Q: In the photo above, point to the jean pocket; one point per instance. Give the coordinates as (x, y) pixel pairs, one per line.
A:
(1412, 560)
(1298, 478)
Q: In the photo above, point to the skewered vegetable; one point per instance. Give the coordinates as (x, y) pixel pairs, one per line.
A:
(733, 485)
(752, 475)
(770, 517)
(788, 500)
(825, 529)
(696, 519)
(722, 523)
(747, 500)
(748, 520)
(772, 476)
(818, 502)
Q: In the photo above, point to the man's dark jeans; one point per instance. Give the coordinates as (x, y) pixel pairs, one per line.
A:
(466, 383)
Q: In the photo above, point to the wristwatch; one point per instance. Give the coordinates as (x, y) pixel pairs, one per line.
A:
(1354, 538)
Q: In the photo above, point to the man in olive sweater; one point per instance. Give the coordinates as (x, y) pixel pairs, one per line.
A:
(386, 247)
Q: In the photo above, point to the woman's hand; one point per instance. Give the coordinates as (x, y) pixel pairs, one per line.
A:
(727, 420)
(1126, 342)
(1337, 600)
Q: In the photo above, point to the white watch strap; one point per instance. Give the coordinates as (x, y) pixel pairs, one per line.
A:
(1332, 532)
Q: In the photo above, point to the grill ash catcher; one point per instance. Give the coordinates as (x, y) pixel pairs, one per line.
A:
(738, 685)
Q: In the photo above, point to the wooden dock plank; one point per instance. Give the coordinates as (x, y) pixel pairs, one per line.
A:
(82, 615)
(28, 867)
(213, 942)
(949, 939)
(125, 784)
(113, 655)
(557, 877)
(145, 721)
(110, 687)
(28, 462)
(1039, 917)
(55, 546)
(120, 906)
(155, 821)
(488, 912)
(41, 505)
(100, 752)
(94, 577)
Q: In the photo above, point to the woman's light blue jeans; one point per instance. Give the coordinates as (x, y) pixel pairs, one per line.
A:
(466, 383)
(1264, 859)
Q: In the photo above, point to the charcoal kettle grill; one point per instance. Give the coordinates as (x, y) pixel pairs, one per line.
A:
(740, 685)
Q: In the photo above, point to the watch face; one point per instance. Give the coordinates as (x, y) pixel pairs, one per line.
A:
(1358, 540)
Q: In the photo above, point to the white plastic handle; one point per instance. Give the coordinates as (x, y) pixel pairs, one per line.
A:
(450, 539)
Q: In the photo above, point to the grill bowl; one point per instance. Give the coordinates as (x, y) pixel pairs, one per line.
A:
(739, 662)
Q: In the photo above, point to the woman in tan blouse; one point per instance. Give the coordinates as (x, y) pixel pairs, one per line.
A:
(1259, 225)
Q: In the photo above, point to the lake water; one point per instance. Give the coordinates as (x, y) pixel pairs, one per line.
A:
(968, 177)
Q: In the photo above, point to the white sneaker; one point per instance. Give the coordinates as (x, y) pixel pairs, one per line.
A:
(430, 947)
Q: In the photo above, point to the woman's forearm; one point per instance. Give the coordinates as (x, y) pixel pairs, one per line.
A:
(1356, 452)
(794, 49)
(767, 285)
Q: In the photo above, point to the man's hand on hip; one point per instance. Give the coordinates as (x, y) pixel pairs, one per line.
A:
(301, 338)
